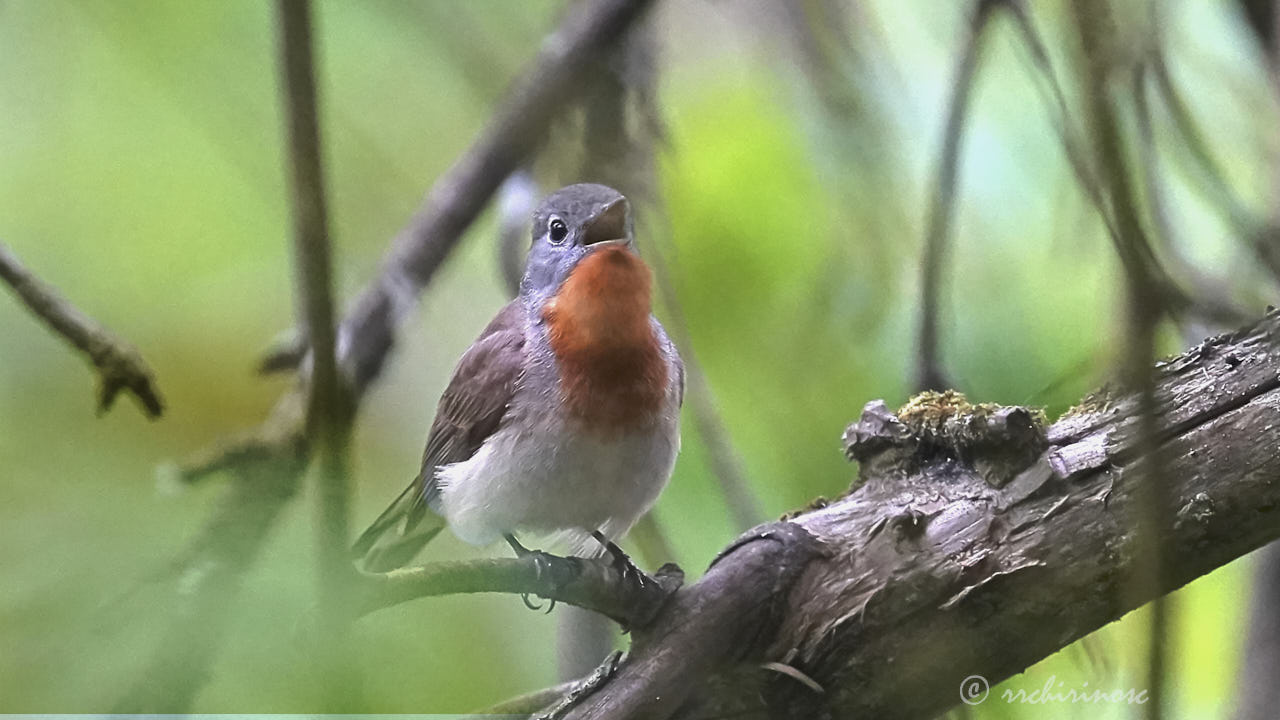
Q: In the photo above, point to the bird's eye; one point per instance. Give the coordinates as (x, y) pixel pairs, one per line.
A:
(559, 231)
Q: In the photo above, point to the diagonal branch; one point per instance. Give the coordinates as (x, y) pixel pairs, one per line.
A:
(1210, 291)
(1072, 144)
(119, 366)
(1216, 187)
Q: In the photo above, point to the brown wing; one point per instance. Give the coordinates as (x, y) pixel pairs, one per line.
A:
(470, 410)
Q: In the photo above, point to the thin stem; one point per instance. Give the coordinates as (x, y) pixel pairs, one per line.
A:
(329, 405)
(929, 375)
(1143, 311)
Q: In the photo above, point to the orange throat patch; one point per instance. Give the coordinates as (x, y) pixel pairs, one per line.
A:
(612, 373)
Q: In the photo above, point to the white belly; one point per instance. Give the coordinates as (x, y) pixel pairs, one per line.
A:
(554, 481)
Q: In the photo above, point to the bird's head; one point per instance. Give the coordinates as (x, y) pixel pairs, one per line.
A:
(572, 224)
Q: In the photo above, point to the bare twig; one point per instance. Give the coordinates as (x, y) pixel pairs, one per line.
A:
(929, 374)
(820, 35)
(583, 689)
(1259, 234)
(582, 638)
(1136, 259)
(617, 146)
(119, 365)
(328, 414)
(1213, 295)
(1216, 187)
(840, 47)
(1072, 144)
(726, 462)
(1144, 310)
(330, 411)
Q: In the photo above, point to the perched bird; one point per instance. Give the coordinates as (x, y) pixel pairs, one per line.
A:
(562, 419)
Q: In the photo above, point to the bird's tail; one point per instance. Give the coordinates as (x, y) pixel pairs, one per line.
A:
(399, 533)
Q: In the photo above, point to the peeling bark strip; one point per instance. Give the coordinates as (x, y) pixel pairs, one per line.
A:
(929, 571)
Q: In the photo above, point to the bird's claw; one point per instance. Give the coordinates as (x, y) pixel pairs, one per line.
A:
(621, 561)
(541, 568)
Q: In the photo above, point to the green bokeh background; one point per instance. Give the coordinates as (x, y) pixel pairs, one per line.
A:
(141, 157)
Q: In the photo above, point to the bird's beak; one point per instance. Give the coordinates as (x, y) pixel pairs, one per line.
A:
(609, 227)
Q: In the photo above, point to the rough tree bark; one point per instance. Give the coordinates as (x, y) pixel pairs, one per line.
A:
(976, 541)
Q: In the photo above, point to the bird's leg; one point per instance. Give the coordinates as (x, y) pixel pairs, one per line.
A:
(520, 550)
(621, 561)
(540, 565)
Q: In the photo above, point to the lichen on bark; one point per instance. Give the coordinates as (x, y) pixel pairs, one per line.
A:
(996, 441)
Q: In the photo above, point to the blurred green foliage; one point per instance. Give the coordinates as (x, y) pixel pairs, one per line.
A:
(141, 146)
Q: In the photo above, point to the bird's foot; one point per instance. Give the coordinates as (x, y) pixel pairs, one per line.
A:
(524, 598)
(541, 568)
(621, 561)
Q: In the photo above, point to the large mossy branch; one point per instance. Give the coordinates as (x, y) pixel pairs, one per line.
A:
(954, 556)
